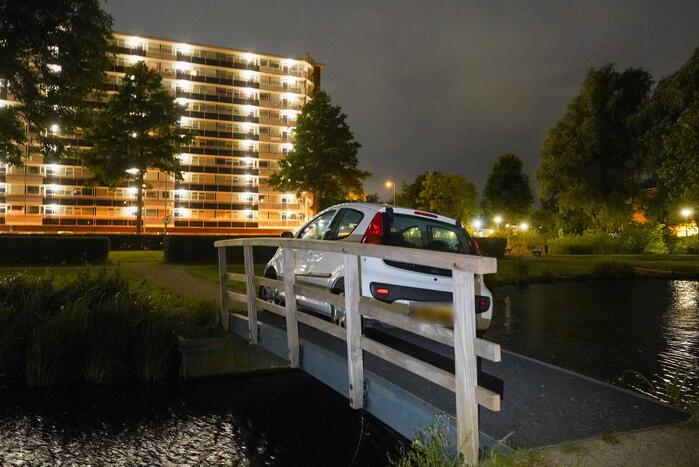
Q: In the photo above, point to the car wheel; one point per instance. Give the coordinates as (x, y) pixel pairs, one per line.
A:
(337, 314)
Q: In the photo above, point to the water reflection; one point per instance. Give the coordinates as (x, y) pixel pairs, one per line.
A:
(604, 329)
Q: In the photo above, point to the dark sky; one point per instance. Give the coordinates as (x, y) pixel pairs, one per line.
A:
(438, 85)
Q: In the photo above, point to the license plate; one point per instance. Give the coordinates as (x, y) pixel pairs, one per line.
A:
(440, 314)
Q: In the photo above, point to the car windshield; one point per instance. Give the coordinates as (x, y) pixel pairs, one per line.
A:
(427, 234)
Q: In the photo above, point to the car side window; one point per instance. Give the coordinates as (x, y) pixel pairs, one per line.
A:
(347, 221)
(317, 228)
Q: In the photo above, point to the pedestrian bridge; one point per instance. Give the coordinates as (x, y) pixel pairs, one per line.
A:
(407, 372)
(374, 376)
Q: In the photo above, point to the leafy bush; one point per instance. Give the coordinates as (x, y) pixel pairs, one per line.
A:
(200, 249)
(26, 250)
(612, 270)
(492, 246)
(586, 244)
(686, 246)
(94, 329)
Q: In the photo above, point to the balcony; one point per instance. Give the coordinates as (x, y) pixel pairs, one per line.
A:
(216, 98)
(272, 155)
(273, 138)
(277, 121)
(217, 80)
(280, 206)
(221, 116)
(221, 61)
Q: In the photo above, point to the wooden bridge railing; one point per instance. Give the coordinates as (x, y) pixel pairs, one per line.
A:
(462, 338)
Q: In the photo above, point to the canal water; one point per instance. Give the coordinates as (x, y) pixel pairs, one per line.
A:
(641, 333)
(271, 418)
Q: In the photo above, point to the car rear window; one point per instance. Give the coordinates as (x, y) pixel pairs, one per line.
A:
(427, 234)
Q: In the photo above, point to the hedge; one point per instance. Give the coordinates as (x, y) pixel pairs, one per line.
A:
(136, 242)
(200, 249)
(492, 246)
(52, 250)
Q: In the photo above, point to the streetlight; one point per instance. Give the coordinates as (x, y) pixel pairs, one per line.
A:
(390, 184)
(686, 212)
(523, 226)
(497, 220)
(477, 224)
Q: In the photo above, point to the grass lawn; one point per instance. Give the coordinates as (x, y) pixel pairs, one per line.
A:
(578, 267)
(139, 256)
(209, 273)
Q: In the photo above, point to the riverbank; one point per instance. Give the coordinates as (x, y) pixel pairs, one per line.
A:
(533, 269)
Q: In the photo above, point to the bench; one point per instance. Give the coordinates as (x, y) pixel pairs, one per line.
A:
(537, 251)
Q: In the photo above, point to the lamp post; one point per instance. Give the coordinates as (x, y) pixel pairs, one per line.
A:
(686, 212)
(390, 184)
(497, 220)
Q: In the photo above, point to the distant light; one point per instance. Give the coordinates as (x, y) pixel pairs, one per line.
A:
(55, 68)
(183, 66)
(182, 101)
(523, 226)
(389, 184)
(184, 48)
(249, 58)
(132, 191)
(477, 223)
(53, 188)
(248, 75)
(134, 134)
(134, 42)
(185, 86)
(132, 171)
(54, 128)
(686, 212)
(185, 121)
(497, 219)
(53, 167)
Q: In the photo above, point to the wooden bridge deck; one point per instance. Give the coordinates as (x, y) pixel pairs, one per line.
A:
(542, 405)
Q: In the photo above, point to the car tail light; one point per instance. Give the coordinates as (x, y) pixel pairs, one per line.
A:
(482, 303)
(476, 248)
(374, 234)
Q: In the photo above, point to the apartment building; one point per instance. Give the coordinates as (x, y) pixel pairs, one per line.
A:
(242, 107)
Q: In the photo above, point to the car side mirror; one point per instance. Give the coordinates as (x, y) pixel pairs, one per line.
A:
(287, 234)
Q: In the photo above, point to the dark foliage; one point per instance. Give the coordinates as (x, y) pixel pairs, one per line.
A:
(53, 250)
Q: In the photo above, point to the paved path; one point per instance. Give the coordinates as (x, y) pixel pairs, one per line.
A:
(176, 279)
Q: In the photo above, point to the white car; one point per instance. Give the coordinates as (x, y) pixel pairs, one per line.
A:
(426, 290)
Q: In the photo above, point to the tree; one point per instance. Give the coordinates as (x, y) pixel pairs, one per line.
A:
(507, 191)
(139, 129)
(679, 171)
(52, 55)
(591, 159)
(409, 195)
(324, 158)
(669, 167)
(450, 195)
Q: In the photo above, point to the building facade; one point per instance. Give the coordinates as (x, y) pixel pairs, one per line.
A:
(242, 107)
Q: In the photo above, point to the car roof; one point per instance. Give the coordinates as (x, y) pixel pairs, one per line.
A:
(375, 207)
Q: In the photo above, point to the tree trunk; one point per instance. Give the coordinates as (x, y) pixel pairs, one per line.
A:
(139, 201)
(315, 207)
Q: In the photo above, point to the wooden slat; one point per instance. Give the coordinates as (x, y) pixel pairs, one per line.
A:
(407, 362)
(238, 297)
(266, 281)
(476, 264)
(250, 286)
(223, 288)
(318, 293)
(235, 276)
(465, 365)
(488, 399)
(437, 333)
(353, 323)
(325, 326)
(292, 327)
(488, 350)
(398, 308)
(271, 307)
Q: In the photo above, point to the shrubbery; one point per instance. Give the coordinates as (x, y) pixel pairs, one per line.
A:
(200, 249)
(94, 329)
(52, 250)
(125, 242)
(492, 246)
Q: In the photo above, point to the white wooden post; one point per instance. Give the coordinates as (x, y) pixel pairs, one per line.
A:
(292, 327)
(465, 365)
(353, 323)
(248, 260)
(223, 285)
